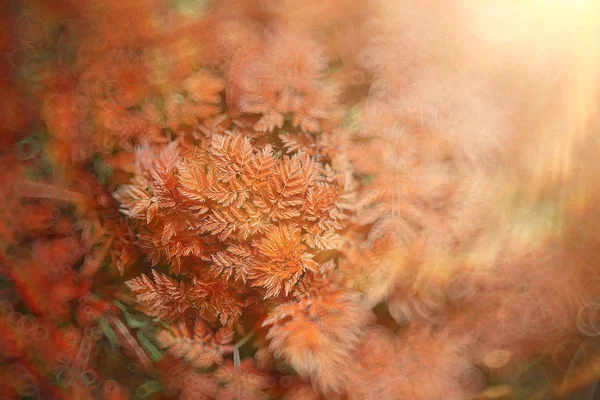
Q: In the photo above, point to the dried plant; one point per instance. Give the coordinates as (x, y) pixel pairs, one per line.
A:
(334, 199)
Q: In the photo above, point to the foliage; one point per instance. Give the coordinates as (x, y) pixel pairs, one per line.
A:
(248, 200)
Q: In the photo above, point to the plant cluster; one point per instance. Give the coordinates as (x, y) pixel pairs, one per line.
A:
(248, 200)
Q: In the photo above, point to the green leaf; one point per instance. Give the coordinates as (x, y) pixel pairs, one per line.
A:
(102, 169)
(351, 120)
(154, 353)
(132, 322)
(108, 332)
(148, 389)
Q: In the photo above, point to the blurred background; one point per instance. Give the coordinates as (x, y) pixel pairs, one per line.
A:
(472, 129)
